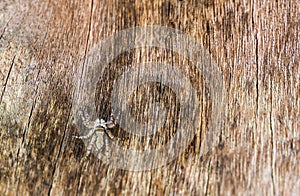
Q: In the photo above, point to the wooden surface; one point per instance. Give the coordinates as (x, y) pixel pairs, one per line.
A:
(254, 43)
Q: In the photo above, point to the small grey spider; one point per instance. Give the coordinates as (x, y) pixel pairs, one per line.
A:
(99, 126)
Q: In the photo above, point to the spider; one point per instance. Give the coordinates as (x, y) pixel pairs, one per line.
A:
(96, 133)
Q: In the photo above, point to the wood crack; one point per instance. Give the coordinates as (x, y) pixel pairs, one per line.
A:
(257, 81)
(7, 78)
(59, 151)
(272, 139)
(207, 182)
(88, 38)
(70, 110)
(4, 29)
(23, 140)
(36, 88)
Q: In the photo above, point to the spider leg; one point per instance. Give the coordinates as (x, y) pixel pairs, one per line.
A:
(85, 119)
(89, 148)
(109, 134)
(110, 124)
(90, 133)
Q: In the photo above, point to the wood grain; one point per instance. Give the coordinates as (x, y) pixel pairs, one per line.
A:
(254, 43)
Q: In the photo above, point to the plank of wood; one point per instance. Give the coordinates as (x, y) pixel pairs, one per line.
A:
(254, 44)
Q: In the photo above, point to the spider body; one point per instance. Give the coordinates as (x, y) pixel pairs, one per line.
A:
(96, 134)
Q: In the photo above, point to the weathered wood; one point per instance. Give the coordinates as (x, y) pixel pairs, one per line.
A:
(255, 44)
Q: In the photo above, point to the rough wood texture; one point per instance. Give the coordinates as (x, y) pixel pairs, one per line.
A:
(254, 43)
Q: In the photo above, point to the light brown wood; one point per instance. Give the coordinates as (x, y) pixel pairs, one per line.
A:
(255, 45)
